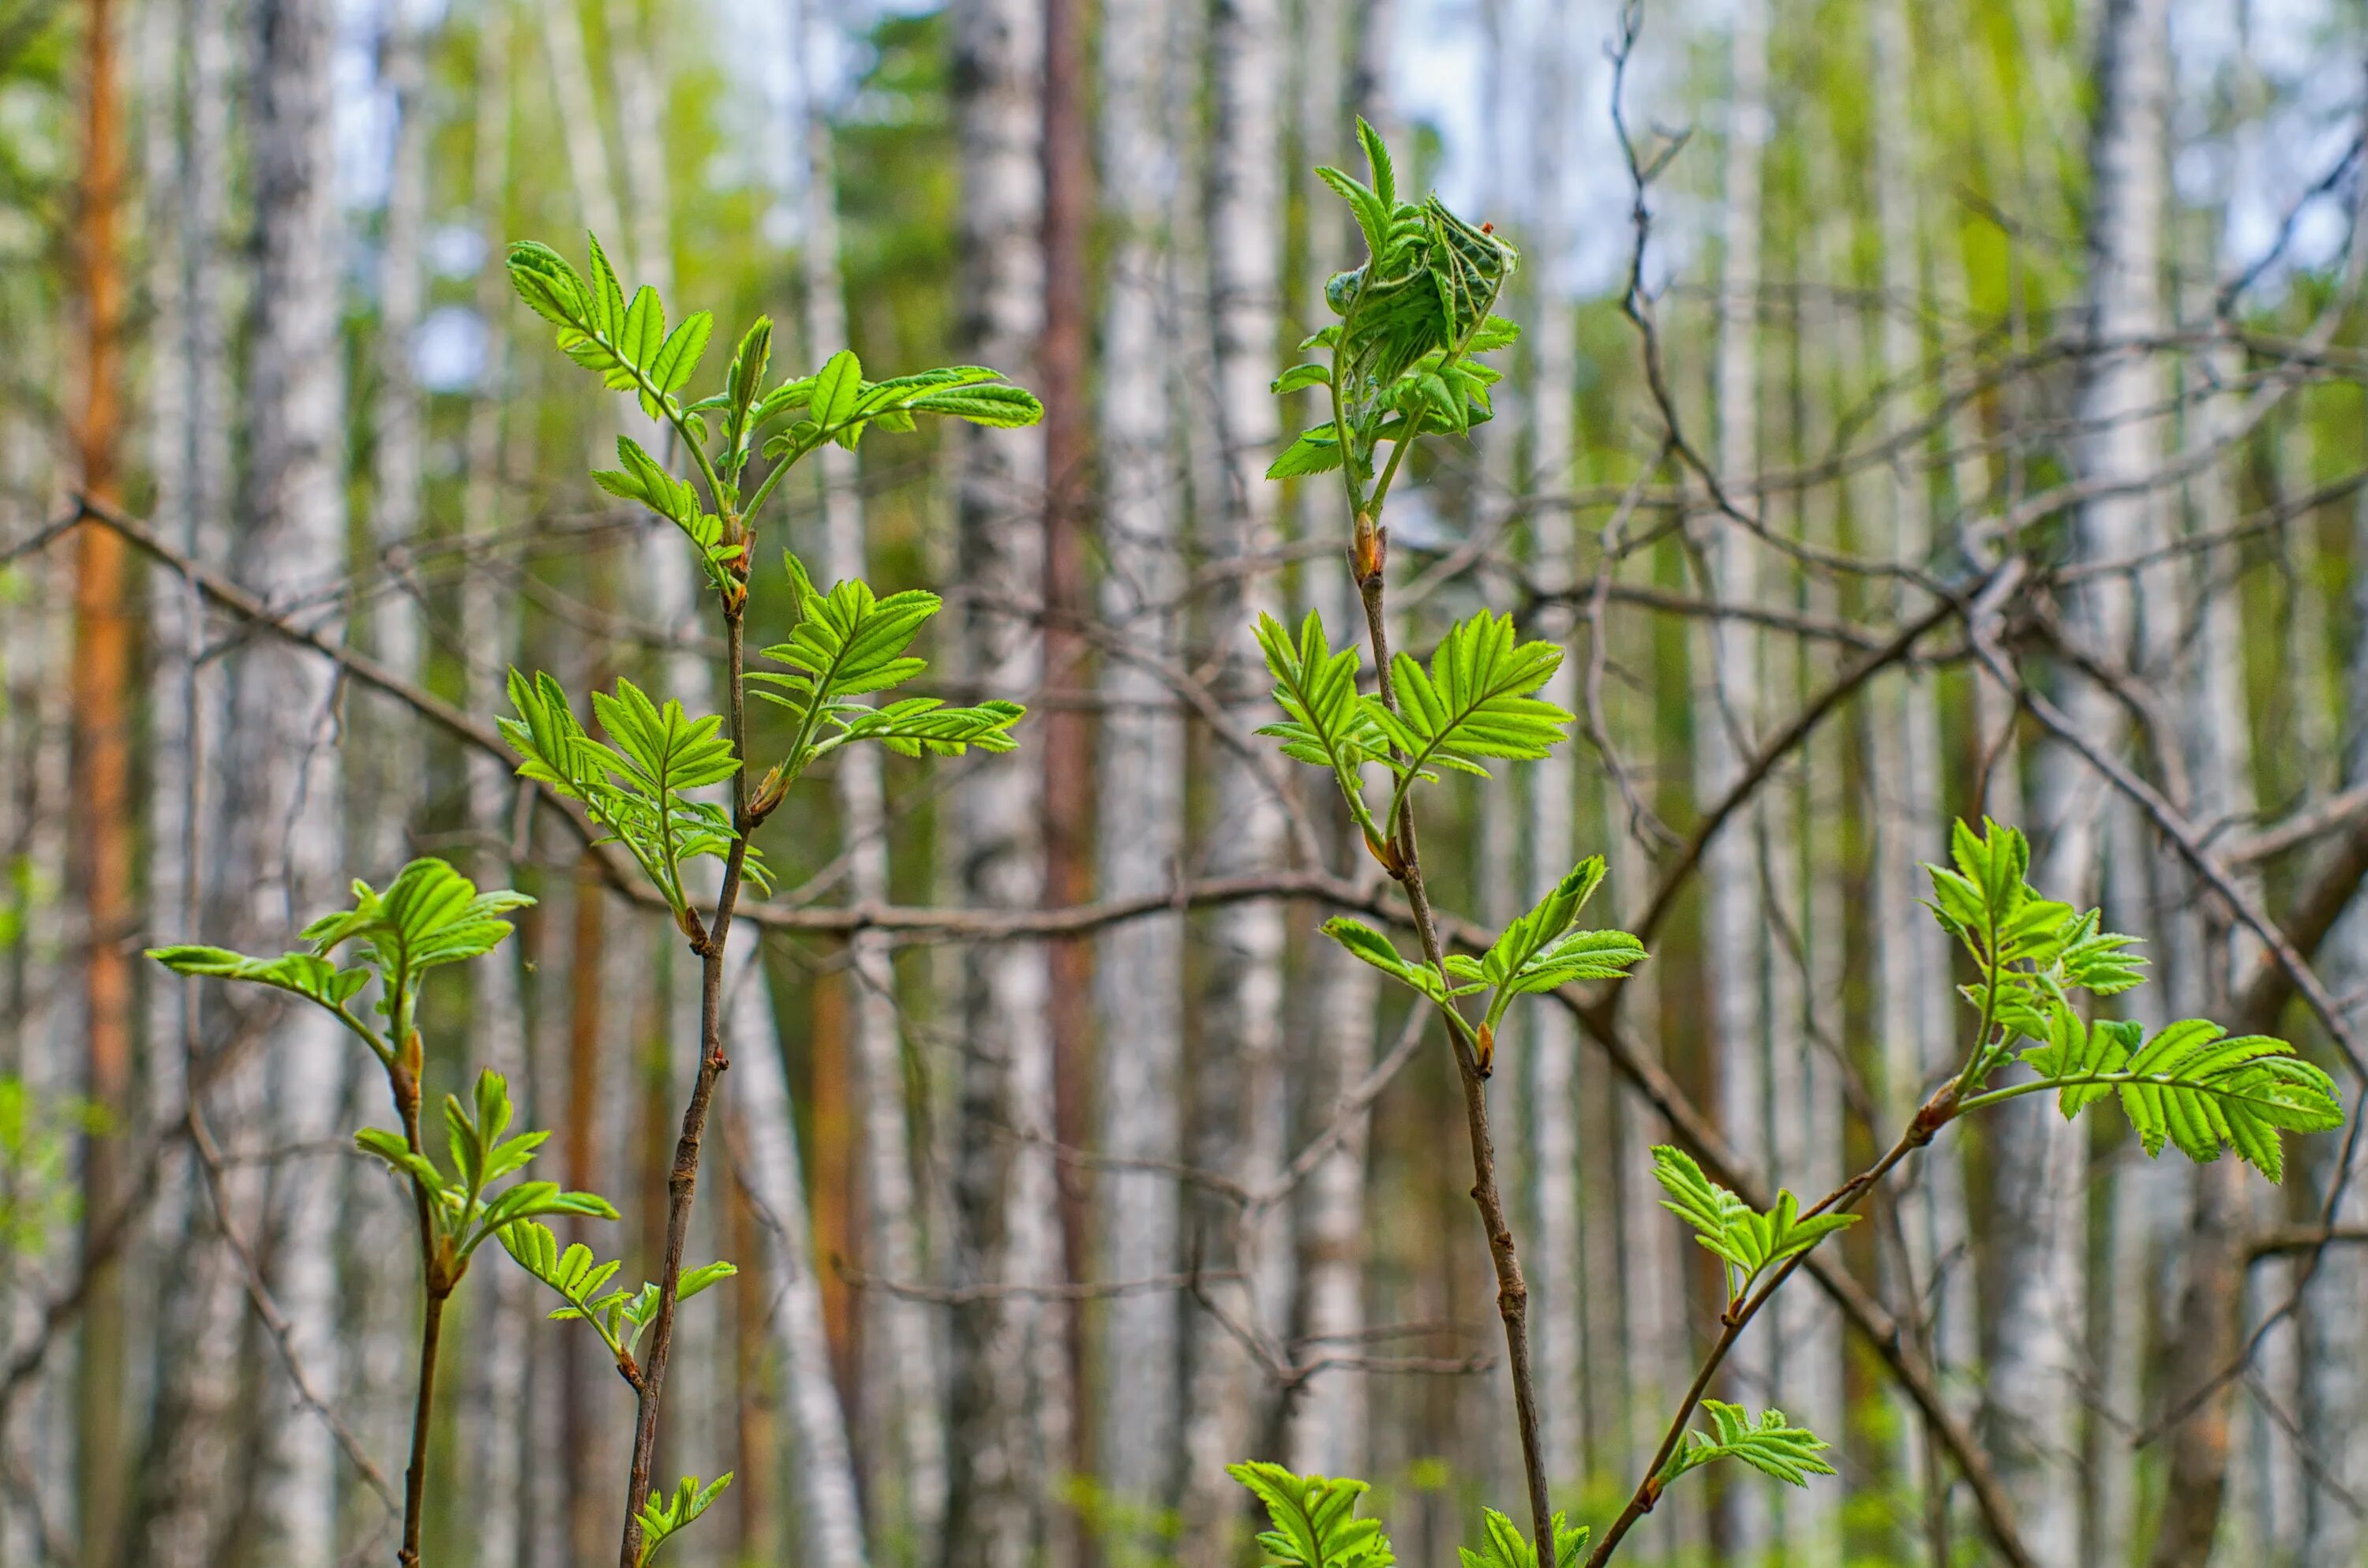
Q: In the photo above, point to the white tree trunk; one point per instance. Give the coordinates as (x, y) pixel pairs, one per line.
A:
(2036, 1368)
(1139, 976)
(828, 1506)
(1919, 1022)
(1558, 1305)
(289, 830)
(1243, 1041)
(1006, 1228)
(910, 1481)
(500, 1377)
(1726, 706)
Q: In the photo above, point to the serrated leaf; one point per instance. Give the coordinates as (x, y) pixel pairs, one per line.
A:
(1314, 1520)
(1772, 1446)
(1475, 702)
(1314, 451)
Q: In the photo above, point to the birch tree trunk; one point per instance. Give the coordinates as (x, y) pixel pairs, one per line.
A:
(184, 1492)
(502, 1374)
(1558, 1308)
(2036, 1364)
(909, 1486)
(1140, 975)
(829, 1509)
(289, 828)
(1918, 1023)
(1241, 1087)
(1726, 708)
(2335, 1351)
(1328, 1431)
(1005, 1220)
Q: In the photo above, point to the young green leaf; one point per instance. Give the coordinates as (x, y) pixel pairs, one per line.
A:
(1374, 948)
(664, 1516)
(1773, 1447)
(1314, 1518)
(1324, 723)
(1475, 702)
(1502, 1544)
(1746, 1241)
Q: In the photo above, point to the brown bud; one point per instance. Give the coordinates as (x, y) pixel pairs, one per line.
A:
(1387, 853)
(1487, 1053)
(1370, 549)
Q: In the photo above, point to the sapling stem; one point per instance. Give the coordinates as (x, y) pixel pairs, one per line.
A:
(682, 1180)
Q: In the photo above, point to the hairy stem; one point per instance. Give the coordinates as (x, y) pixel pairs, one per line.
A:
(1513, 1290)
(682, 1181)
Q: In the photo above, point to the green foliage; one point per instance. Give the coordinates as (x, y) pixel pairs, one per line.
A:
(625, 343)
(663, 1515)
(464, 1207)
(1314, 1525)
(2192, 1084)
(636, 788)
(39, 1194)
(1748, 1242)
(1314, 1519)
(428, 916)
(1502, 1544)
(1474, 703)
(619, 1316)
(1411, 317)
(1543, 950)
(849, 643)
(1771, 1447)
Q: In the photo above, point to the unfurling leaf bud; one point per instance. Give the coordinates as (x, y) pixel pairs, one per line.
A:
(769, 794)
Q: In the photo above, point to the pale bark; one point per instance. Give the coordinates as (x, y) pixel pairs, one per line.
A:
(1139, 975)
(1919, 1024)
(1727, 705)
(1550, 1039)
(828, 1511)
(2335, 1351)
(1328, 1431)
(579, 120)
(1006, 1221)
(502, 1373)
(1243, 1041)
(2036, 1364)
(184, 1493)
(910, 1481)
(289, 830)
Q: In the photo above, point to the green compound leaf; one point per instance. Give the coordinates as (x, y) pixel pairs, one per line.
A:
(1314, 1520)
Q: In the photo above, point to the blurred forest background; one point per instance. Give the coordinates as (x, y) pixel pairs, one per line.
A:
(1935, 383)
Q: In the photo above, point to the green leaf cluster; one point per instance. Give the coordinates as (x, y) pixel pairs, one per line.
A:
(849, 643)
(1502, 1544)
(662, 1514)
(1314, 1519)
(464, 1207)
(1746, 1241)
(428, 916)
(637, 789)
(619, 1316)
(1542, 950)
(1411, 317)
(2192, 1084)
(626, 343)
(1771, 1446)
(1476, 703)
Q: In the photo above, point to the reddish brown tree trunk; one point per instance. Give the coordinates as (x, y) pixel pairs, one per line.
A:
(102, 769)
